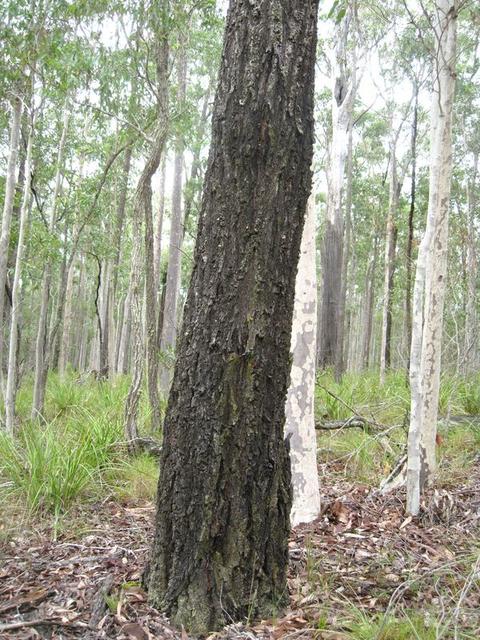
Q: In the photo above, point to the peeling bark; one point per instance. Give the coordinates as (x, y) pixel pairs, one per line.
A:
(429, 291)
(299, 410)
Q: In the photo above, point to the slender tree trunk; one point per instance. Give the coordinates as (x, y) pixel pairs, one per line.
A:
(224, 496)
(331, 333)
(299, 410)
(471, 325)
(389, 269)
(12, 375)
(429, 291)
(142, 213)
(172, 290)
(369, 305)
(125, 335)
(157, 246)
(64, 355)
(190, 187)
(40, 379)
(411, 215)
(81, 320)
(343, 330)
(7, 213)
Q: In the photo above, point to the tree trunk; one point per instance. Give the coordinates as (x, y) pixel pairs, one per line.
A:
(40, 379)
(7, 213)
(471, 325)
(66, 324)
(123, 349)
(220, 551)
(142, 213)
(411, 214)
(299, 410)
(157, 246)
(172, 290)
(331, 329)
(389, 270)
(11, 391)
(369, 304)
(429, 291)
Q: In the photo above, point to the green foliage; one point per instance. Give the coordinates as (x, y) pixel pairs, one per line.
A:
(134, 479)
(76, 453)
(49, 467)
(386, 627)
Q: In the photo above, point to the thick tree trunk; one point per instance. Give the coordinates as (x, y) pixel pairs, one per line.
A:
(221, 541)
(299, 410)
(11, 391)
(172, 288)
(429, 291)
(7, 213)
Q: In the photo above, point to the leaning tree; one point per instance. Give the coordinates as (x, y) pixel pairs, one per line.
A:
(221, 541)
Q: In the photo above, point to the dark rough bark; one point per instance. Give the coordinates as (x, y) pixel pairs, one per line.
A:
(221, 542)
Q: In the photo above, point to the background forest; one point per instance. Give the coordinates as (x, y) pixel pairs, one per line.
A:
(105, 127)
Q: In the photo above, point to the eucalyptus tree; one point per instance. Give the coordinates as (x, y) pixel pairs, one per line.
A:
(343, 79)
(430, 279)
(299, 410)
(224, 492)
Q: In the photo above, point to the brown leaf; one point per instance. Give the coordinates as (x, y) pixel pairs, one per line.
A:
(135, 631)
(32, 597)
(341, 512)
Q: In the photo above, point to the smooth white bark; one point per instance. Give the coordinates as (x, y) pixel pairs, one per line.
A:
(299, 410)
(11, 390)
(11, 181)
(429, 290)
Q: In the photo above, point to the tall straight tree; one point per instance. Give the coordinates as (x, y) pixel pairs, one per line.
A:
(172, 287)
(429, 290)
(11, 389)
(343, 88)
(220, 550)
(8, 203)
(40, 380)
(143, 219)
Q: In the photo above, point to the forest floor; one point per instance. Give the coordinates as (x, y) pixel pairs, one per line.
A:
(361, 571)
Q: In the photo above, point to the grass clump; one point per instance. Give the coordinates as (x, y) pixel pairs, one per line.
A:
(134, 479)
(48, 466)
(387, 627)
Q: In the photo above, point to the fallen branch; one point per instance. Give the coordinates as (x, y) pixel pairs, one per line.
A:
(10, 626)
(332, 425)
(356, 417)
(99, 605)
(147, 445)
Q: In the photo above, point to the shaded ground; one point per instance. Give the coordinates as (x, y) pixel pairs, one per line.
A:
(361, 558)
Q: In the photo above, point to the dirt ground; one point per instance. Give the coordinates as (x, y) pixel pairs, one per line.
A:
(361, 557)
